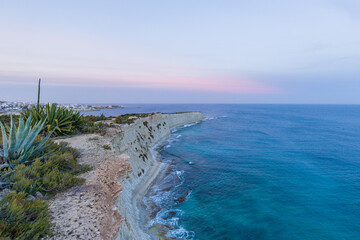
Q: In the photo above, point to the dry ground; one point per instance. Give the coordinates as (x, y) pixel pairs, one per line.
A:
(88, 211)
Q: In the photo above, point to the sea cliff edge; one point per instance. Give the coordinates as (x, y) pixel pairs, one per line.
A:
(137, 141)
(108, 205)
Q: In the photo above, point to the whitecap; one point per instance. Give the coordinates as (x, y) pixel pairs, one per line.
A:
(185, 126)
(181, 233)
(180, 173)
(214, 118)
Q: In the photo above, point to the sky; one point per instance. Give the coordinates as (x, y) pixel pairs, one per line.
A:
(186, 51)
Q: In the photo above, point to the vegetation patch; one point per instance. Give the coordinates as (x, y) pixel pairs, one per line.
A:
(58, 120)
(97, 127)
(33, 169)
(21, 218)
(93, 119)
(130, 118)
(6, 119)
(49, 175)
(95, 124)
(107, 147)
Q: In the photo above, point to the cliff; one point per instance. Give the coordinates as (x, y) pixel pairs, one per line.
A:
(137, 141)
(111, 195)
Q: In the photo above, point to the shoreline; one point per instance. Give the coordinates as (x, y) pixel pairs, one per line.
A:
(153, 175)
(155, 213)
(142, 143)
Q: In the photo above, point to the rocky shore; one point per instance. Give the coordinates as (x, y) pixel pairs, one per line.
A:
(107, 206)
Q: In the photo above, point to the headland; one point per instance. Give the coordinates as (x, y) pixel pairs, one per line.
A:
(108, 204)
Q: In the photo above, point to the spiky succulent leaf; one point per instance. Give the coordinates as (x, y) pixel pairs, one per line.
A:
(59, 119)
(4, 152)
(20, 145)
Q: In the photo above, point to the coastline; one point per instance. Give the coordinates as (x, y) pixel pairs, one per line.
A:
(138, 141)
(108, 205)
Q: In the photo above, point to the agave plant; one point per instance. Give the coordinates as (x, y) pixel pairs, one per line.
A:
(60, 120)
(20, 143)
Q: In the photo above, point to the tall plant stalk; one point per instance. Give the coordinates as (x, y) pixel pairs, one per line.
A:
(38, 98)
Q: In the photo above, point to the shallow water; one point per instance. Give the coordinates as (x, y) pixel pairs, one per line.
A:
(281, 172)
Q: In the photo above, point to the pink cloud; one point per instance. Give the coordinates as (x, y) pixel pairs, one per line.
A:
(213, 84)
(199, 83)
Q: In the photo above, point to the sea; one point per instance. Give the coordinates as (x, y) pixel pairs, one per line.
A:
(259, 172)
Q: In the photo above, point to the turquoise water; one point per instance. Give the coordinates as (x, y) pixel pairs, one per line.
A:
(271, 172)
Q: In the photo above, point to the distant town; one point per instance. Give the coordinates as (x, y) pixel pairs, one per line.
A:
(17, 107)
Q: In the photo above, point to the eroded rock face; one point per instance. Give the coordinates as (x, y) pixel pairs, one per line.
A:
(106, 205)
(136, 141)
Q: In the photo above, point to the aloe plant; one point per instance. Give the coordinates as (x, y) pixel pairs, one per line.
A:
(19, 143)
(60, 120)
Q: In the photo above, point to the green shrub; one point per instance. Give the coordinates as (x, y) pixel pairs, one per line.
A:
(61, 120)
(124, 119)
(51, 174)
(21, 218)
(93, 119)
(42, 177)
(107, 147)
(30, 165)
(92, 124)
(54, 171)
(94, 128)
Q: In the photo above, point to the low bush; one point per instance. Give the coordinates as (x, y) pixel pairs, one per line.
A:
(93, 124)
(130, 118)
(34, 168)
(22, 216)
(99, 128)
(48, 174)
(93, 119)
(107, 147)
(44, 177)
(23, 219)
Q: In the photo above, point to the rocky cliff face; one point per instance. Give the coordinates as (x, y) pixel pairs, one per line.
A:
(136, 141)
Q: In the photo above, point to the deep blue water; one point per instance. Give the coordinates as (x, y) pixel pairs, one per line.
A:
(264, 172)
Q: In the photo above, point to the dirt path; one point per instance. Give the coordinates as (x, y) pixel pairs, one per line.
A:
(87, 211)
